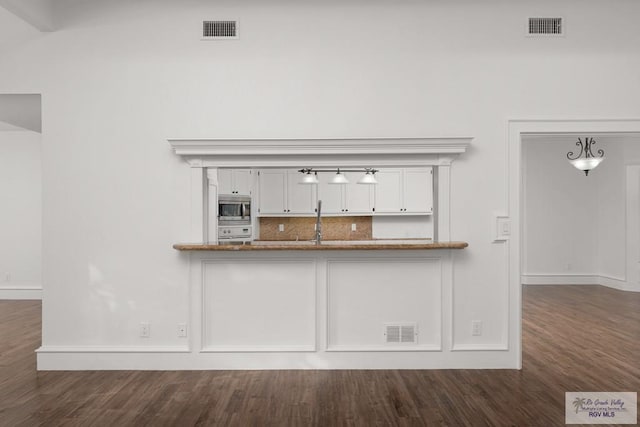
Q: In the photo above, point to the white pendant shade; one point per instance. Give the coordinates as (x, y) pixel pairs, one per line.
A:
(586, 164)
(368, 178)
(339, 178)
(309, 178)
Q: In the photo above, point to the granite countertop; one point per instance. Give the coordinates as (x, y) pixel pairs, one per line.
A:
(275, 245)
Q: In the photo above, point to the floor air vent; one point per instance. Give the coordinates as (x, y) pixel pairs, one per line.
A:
(219, 30)
(405, 333)
(545, 27)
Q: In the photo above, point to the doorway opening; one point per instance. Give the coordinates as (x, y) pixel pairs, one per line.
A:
(21, 195)
(520, 131)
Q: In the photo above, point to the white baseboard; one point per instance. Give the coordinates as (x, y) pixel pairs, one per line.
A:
(578, 279)
(559, 279)
(21, 291)
(623, 285)
(73, 358)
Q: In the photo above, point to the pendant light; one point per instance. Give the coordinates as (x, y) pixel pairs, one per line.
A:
(339, 178)
(310, 175)
(309, 178)
(368, 178)
(588, 162)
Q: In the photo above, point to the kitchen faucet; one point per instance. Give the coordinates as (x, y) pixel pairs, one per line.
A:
(318, 224)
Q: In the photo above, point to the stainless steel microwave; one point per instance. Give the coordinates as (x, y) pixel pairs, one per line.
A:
(234, 210)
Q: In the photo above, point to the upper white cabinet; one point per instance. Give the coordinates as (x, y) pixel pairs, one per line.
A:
(234, 181)
(281, 194)
(404, 191)
(345, 199)
(400, 191)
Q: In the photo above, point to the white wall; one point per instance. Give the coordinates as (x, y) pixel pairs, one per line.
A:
(119, 78)
(20, 215)
(560, 210)
(611, 193)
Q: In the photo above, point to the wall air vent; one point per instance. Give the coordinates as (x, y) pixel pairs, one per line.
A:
(545, 27)
(405, 333)
(219, 30)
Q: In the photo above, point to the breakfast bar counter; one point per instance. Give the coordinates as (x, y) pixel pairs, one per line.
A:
(309, 245)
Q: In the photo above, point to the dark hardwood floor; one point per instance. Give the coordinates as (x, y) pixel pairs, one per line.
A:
(576, 338)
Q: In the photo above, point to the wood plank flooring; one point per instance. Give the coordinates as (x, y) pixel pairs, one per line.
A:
(576, 338)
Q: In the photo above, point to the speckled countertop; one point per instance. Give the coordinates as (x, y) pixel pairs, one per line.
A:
(306, 245)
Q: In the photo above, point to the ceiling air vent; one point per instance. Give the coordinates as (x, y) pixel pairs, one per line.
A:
(219, 30)
(545, 27)
(404, 333)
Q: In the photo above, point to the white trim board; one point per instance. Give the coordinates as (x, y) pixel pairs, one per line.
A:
(31, 292)
(79, 358)
(578, 279)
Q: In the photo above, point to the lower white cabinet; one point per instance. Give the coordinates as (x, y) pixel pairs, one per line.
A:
(404, 191)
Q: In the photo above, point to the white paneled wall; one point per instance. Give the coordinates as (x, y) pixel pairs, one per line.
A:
(253, 304)
(364, 295)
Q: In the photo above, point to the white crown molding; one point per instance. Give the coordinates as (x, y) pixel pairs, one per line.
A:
(318, 146)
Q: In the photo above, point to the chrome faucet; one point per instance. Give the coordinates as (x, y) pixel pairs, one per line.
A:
(318, 223)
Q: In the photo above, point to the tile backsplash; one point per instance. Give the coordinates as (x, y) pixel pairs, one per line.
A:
(303, 228)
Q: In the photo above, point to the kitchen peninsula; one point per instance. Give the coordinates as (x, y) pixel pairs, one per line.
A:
(330, 304)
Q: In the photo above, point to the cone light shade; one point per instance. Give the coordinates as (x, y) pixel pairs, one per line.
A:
(309, 178)
(368, 178)
(339, 178)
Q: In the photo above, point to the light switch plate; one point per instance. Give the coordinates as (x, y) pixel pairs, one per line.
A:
(502, 228)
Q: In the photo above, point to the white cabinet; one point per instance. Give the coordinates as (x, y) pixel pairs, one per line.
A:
(345, 199)
(281, 194)
(399, 191)
(234, 181)
(404, 191)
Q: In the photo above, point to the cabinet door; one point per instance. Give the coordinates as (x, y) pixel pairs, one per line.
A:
(301, 198)
(272, 185)
(388, 191)
(418, 190)
(358, 198)
(330, 194)
(241, 179)
(225, 181)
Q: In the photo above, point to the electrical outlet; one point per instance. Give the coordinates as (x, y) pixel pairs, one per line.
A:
(353, 227)
(182, 329)
(476, 328)
(281, 227)
(145, 329)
